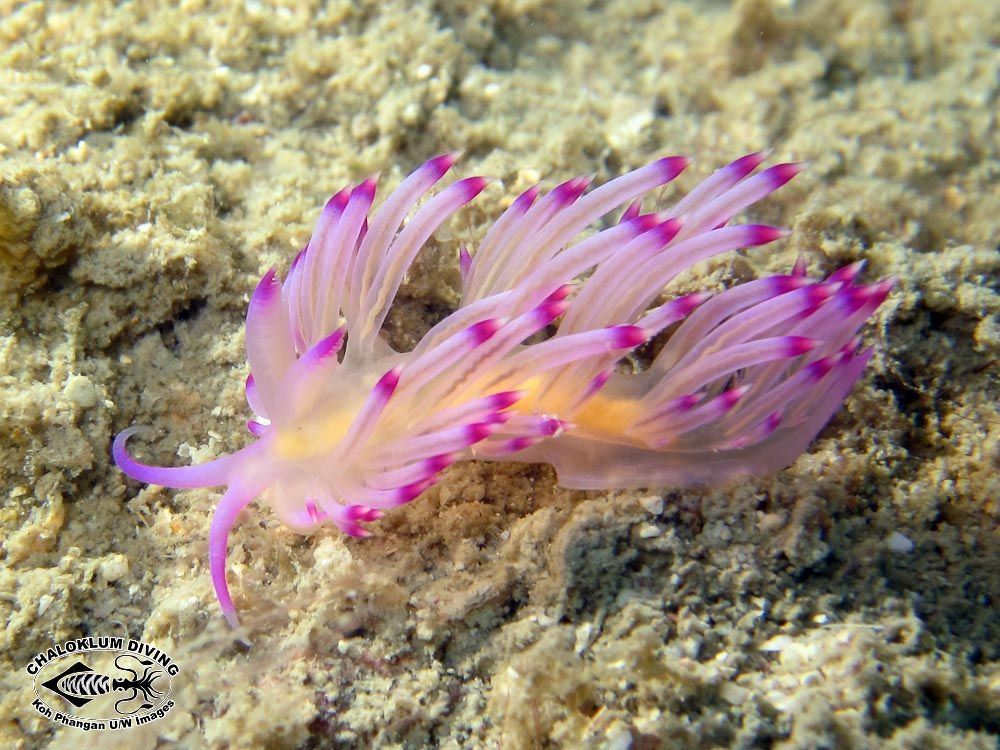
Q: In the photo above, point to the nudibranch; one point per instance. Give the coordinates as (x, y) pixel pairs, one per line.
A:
(525, 369)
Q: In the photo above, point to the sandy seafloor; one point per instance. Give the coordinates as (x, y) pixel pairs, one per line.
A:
(156, 162)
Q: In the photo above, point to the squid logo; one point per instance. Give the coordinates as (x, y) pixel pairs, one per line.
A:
(103, 683)
(79, 684)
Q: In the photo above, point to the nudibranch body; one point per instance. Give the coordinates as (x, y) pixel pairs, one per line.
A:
(347, 428)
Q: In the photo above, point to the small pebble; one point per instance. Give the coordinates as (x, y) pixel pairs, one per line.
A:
(899, 543)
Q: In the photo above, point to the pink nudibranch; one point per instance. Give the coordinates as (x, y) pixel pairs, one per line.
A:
(347, 428)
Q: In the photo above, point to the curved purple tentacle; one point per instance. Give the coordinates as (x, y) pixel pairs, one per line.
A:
(237, 497)
(210, 474)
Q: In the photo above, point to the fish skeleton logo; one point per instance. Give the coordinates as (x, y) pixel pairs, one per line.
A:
(103, 683)
(79, 684)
